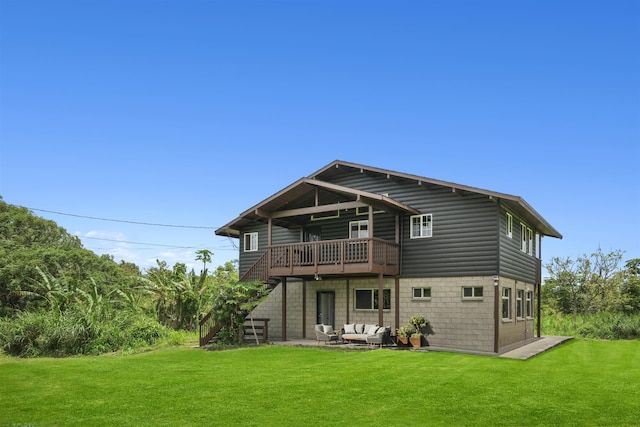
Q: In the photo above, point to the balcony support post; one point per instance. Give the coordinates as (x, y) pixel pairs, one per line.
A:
(380, 299)
(284, 308)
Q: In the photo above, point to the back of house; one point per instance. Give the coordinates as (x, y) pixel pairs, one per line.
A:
(358, 244)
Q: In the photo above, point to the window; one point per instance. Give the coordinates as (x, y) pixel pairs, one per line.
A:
(421, 226)
(526, 239)
(472, 292)
(506, 303)
(367, 299)
(421, 293)
(509, 225)
(358, 229)
(530, 304)
(250, 242)
(519, 304)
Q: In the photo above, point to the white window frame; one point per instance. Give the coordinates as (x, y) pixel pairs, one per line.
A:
(424, 293)
(251, 242)
(529, 305)
(523, 237)
(529, 241)
(477, 293)
(359, 229)
(506, 303)
(423, 227)
(519, 304)
(374, 299)
(509, 225)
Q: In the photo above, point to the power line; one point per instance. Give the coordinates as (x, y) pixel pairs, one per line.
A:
(152, 244)
(138, 243)
(121, 220)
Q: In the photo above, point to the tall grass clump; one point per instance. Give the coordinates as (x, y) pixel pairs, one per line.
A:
(601, 326)
(59, 334)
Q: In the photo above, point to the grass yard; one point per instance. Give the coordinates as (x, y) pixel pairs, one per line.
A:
(580, 383)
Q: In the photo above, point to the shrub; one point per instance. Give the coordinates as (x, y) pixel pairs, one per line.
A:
(606, 326)
(75, 332)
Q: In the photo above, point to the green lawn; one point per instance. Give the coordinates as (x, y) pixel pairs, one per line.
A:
(579, 383)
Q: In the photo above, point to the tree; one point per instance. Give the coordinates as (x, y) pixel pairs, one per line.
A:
(28, 241)
(204, 255)
(631, 286)
(590, 284)
(231, 304)
(565, 284)
(181, 297)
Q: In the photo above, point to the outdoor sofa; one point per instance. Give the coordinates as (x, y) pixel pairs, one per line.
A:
(371, 334)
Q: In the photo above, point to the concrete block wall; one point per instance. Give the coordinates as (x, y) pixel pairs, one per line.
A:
(271, 308)
(513, 332)
(456, 323)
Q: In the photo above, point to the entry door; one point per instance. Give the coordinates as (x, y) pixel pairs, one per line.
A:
(326, 308)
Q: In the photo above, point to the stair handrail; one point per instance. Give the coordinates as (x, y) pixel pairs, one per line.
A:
(259, 270)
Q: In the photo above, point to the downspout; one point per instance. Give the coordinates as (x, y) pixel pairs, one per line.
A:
(539, 287)
(304, 308)
(284, 308)
(380, 299)
(348, 294)
(397, 279)
(496, 289)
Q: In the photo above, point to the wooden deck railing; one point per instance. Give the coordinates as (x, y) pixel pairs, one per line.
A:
(366, 255)
(208, 329)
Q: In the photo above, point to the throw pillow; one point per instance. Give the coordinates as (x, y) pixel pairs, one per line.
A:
(350, 329)
(373, 329)
(367, 328)
(359, 328)
(327, 329)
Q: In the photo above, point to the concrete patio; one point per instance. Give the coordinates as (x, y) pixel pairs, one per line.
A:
(522, 353)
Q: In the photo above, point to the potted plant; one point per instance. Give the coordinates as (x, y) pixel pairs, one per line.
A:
(417, 323)
(416, 339)
(403, 333)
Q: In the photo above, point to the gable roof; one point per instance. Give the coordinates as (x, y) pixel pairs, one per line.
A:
(314, 194)
(308, 196)
(513, 203)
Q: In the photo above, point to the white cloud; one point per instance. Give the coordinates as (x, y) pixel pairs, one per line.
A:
(115, 244)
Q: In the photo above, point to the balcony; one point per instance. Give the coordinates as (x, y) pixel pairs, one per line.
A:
(335, 257)
(364, 256)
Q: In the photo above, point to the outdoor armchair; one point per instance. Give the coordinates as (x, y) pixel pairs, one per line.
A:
(325, 333)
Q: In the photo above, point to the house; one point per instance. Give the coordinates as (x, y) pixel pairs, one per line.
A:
(353, 243)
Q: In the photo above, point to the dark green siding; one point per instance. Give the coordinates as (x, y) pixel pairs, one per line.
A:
(465, 227)
(514, 263)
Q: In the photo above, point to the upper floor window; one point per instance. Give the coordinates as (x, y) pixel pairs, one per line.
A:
(421, 226)
(509, 225)
(526, 239)
(250, 242)
(358, 229)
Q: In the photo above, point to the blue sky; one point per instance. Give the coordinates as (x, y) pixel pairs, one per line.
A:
(190, 112)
